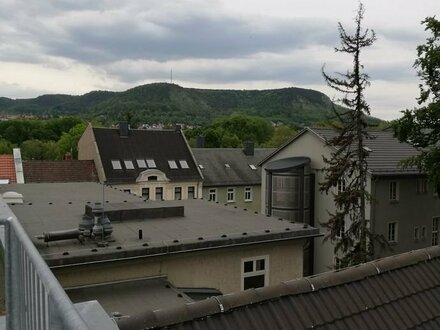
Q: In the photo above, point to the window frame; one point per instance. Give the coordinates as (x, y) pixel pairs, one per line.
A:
(248, 194)
(392, 232)
(128, 163)
(212, 192)
(116, 164)
(422, 186)
(193, 192)
(151, 163)
(435, 231)
(141, 163)
(393, 191)
(177, 192)
(172, 164)
(145, 193)
(183, 164)
(255, 272)
(230, 192)
(156, 193)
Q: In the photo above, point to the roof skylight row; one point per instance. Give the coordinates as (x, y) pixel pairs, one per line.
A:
(146, 163)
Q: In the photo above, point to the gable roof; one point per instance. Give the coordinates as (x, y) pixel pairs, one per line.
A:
(160, 145)
(386, 155)
(398, 292)
(217, 173)
(59, 171)
(7, 168)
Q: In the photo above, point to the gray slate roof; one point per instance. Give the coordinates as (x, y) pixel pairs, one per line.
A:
(384, 159)
(398, 292)
(206, 225)
(159, 145)
(215, 172)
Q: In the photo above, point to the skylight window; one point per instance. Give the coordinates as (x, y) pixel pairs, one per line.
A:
(252, 166)
(128, 165)
(227, 166)
(172, 164)
(151, 163)
(183, 164)
(141, 163)
(201, 166)
(367, 149)
(116, 164)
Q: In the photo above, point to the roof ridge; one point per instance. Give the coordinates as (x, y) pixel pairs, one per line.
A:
(309, 284)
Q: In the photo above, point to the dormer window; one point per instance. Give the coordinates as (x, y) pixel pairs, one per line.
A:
(116, 164)
(183, 164)
(151, 163)
(172, 164)
(128, 165)
(141, 163)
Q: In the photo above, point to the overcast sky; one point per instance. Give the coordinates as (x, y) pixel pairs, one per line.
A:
(75, 46)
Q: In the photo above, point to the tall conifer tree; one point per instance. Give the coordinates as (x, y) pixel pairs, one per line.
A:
(347, 167)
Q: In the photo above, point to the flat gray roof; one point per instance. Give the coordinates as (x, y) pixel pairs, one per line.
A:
(131, 297)
(206, 225)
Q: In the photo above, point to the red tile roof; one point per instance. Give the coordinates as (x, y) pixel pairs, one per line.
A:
(59, 171)
(7, 168)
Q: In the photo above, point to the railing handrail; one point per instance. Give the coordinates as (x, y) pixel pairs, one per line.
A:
(67, 313)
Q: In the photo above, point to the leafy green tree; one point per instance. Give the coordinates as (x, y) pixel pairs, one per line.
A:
(347, 167)
(280, 135)
(38, 150)
(421, 126)
(69, 141)
(5, 147)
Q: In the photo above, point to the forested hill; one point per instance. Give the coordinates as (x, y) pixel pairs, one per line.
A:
(169, 103)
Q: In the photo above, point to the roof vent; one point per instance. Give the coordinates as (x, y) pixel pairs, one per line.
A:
(13, 197)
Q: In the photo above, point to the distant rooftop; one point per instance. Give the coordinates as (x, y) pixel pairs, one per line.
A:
(385, 151)
(230, 166)
(60, 206)
(59, 171)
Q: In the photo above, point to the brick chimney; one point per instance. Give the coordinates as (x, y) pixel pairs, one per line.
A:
(123, 129)
(248, 148)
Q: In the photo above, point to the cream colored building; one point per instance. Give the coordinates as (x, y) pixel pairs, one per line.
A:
(405, 210)
(154, 164)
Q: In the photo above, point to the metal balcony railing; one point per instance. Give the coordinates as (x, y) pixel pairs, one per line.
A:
(34, 297)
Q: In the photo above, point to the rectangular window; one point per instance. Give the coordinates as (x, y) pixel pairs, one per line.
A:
(423, 235)
(341, 185)
(253, 167)
(116, 164)
(172, 164)
(416, 233)
(178, 193)
(254, 272)
(248, 194)
(212, 195)
(422, 186)
(337, 262)
(392, 232)
(394, 193)
(159, 193)
(151, 163)
(146, 193)
(341, 231)
(434, 233)
(191, 192)
(141, 163)
(183, 164)
(128, 164)
(230, 195)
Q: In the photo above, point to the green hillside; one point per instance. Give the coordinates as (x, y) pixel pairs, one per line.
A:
(169, 103)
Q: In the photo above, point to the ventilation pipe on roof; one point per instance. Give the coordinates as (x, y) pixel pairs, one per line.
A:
(248, 148)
